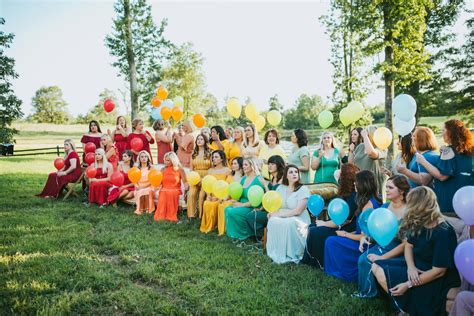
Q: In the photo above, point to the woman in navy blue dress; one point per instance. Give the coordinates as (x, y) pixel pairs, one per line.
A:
(341, 252)
(419, 285)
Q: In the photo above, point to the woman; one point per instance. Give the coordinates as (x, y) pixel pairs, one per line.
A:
(110, 150)
(119, 135)
(285, 243)
(237, 169)
(164, 138)
(425, 144)
(140, 133)
(168, 199)
(397, 188)
(341, 252)
(234, 148)
(206, 131)
(99, 185)
(125, 191)
(252, 144)
(70, 173)
(367, 156)
(258, 219)
(320, 231)
(454, 168)
(355, 139)
(406, 154)
(177, 136)
(201, 162)
(186, 145)
(418, 285)
(93, 136)
(271, 148)
(236, 215)
(220, 171)
(229, 133)
(144, 193)
(300, 155)
(326, 160)
(218, 140)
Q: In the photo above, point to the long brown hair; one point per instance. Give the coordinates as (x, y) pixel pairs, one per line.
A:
(347, 179)
(460, 136)
(366, 186)
(285, 181)
(401, 182)
(408, 148)
(207, 151)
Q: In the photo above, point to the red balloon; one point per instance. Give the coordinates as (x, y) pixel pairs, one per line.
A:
(117, 178)
(91, 172)
(59, 163)
(90, 147)
(136, 144)
(90, 158)
(109, 105)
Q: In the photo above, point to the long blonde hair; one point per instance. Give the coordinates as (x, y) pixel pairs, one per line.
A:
(148, 163)
(333, 140)
(105, 162)
(174, 160)
(253, 165)
(71, 143)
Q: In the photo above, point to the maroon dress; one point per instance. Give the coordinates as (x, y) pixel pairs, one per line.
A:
(115, 191)
(120, 143)
(55, 184)
(90, 139)
(146, 143)
(163, 148)
(98, 191)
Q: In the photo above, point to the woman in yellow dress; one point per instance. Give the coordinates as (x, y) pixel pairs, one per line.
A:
(218, 140)
(252, 143)
(210, 208)
(201, 162)
(235, 147)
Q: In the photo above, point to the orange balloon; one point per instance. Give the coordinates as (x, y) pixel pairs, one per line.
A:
(155, 177)
(176, 113)
(199, 120)
(156, 102)
(165, 113)
(134, 175)
(162, 93)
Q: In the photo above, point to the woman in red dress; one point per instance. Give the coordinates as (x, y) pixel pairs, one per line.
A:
(125, 191)
(93, 136)
(110, 151)
(164, 138)
(99, 186)
(67, 174)
(119, 135)
(140, 132)
(168, 199)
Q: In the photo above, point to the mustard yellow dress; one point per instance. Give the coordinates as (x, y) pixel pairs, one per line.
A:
(233, 151)
(196, 196)
(210, 210)
(221, 207)
(225, 144)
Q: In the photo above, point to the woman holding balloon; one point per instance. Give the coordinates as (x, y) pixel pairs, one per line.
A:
(186, 145)
(405, 156)
(300, 156)
(93, 136)
(144, 192)
(326, 160)
(164, 139)
(119, 135)
(139, 139)
(99, 184)
(125, 190)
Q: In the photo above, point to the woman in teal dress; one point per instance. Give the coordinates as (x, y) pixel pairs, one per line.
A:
(300, 156)
(236, 215)
(326, 160)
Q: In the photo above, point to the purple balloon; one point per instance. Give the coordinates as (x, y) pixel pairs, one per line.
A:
(463, 204)
(464, 259)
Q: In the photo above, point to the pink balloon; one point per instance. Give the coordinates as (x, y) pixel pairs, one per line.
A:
(464, 259)
(463, 204)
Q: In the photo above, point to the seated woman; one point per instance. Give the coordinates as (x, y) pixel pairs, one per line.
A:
(326, 160)
(220, 171)
(258, 219)
(125, 191)
(236, 215)
(236, 166)
(320, 231)
(284, 242)
(419, 285)
(67, 174)
(397, 188)
(99, 185)
(341, 252)
(93, 136)
(144, 192)
(110, 150)
(271, 148)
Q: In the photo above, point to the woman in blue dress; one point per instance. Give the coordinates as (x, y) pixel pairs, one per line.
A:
(341, 252)
(419, 285)
(454, 168)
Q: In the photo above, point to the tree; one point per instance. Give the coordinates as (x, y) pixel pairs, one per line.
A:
(275, 104)
(98, 113)
(49, 106)
(139, 48)
(10, 105)
(305, 112)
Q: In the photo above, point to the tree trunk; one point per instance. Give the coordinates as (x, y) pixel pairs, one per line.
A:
(131, 60)
(388, 78)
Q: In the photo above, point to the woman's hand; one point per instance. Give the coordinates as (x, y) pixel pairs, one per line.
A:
(373, 257)
(341, 233)
(274, 214)
(61, 173)
(414, 275)
(320, 223)
(401, 168)
(321, 153)
(364, 132)
(363, 241)
(351, 147)
(399, 289)
(186, 186)
(420, 159)
(237, 204)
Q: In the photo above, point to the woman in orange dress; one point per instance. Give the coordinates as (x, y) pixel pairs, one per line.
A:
(168, 199)
(144, 192)
(119, 135)
(99, 185)
(125, 191)
(110, 150)
(164, 139)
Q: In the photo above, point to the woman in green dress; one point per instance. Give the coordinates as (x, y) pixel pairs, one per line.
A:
(300, 156)
(326, 160)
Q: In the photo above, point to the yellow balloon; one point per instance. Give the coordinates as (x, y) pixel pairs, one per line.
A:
(382, 137)
(251, 112)
(208, 183)
(234, 108)
(345, 117)
(272, 201)
(193, 178)
(220, 189)
(356, 110)
(274, 117)
(260, 123)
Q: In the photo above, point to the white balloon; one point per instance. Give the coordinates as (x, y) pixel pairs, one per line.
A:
(404, 107)
(169, 103)
(403, 128)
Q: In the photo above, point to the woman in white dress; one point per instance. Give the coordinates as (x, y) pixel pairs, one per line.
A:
(284, 242)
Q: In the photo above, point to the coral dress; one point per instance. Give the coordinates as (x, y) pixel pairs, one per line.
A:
(146, 143)
(168, 200)
(144, 188)
(55, 184)
(115, 191)
(195, 199)
(98, 191)
(120, 143)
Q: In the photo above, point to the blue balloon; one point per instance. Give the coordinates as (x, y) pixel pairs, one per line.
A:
(363, 219)
(383, 226)
(338, 210)
(156, 113)
(315, 204)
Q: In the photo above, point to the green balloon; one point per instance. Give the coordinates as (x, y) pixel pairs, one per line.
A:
(255, 195)
(325, 119)
(235, 190)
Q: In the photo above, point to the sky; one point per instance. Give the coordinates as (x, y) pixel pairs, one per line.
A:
(254, 49)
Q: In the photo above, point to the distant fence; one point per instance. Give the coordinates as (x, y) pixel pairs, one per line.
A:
(7, 150)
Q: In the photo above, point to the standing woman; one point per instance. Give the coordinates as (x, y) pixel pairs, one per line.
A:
(119, 135)
(252, 144)
(99, 186)
(164, 139)
(218, 140)
(300, 155)
(125, 191)
(110, 150)
(234, 149)
(93, 136)
(271, 148)
(406, 154)
(139, 131)
(177, 137)
(186, 145)
(355, 139)
(206, 131)
(144, 192)
(201, 162)
(326, 160)
(67, 174)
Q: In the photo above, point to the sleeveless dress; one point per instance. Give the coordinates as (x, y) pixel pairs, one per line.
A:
(195, 198)
(120, 143)
(98, 191)
(210, 211)
(327, 166)
(168, 200)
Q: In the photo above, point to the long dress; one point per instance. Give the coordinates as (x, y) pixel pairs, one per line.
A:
(114, 192)
(168, 200)
(236, 217)
(265, 153)
(55, 184)
(258, 220)
(120, 143)
(113, 159)
(184, 155)
(195, 198)
(146, 143)
(221, 210)
(210, 212)
(364, 162)
(295, 158)
(284, 242)
(341, 255)
(327, 166)
(99, 190)
(144, 188)
(431, 248)
(162, 148)
(415, 167)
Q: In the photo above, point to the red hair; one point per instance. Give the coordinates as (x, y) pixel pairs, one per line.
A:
(347, 179)
(460, 136)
